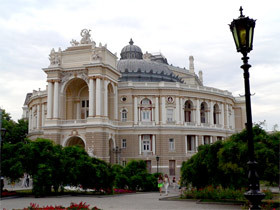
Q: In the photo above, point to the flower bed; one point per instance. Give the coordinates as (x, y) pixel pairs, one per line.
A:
(121, 191)
(7, 193)
(73, 206)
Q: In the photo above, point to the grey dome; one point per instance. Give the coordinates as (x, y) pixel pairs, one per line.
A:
(131, 51)
(139, 70)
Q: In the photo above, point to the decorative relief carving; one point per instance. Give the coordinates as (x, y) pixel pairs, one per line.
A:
(95, 55)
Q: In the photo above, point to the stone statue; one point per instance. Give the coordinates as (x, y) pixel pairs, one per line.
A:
(74, 42)
(55, 57)
(85, 33)
(90, 152)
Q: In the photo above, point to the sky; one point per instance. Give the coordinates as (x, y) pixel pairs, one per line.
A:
(29, 29)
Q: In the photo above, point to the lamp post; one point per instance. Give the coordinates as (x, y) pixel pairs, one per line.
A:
(157, 158)
(243, 31)
(2, 130)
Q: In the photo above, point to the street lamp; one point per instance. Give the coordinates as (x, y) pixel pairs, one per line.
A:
(157, 158)
(243, 31)
(2, 130)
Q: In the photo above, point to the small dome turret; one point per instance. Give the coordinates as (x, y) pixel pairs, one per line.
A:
(131, 51)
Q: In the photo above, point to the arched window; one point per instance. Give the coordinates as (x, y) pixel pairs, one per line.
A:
(188, 111)
(216, 114)
(124, 115)
(146, 110)
(203, 107)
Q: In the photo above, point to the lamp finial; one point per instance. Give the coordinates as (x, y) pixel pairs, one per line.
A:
(241, 10)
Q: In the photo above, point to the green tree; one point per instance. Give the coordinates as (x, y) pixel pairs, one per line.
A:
(225, 163)
(15, 131)
(138, 177)
(12, 158)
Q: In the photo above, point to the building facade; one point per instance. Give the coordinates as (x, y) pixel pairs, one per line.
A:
(137, 107)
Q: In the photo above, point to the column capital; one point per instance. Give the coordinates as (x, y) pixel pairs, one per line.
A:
(54, 80)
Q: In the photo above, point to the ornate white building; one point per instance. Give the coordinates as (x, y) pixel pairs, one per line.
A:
(138, 107)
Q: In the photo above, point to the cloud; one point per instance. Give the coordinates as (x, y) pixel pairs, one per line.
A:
(31, 28)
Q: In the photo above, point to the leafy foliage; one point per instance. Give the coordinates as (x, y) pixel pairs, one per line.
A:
(225, 163)
(51, 165)
(135, 177)
(15, 131)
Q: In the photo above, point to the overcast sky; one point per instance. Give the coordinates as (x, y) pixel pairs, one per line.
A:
(177, 29)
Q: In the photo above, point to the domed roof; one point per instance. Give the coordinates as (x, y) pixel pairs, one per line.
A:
(131, 51)
(139, 70)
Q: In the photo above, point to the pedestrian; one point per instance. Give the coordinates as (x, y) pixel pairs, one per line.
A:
(2, 183)
(166, 183)
(27, 181)
(24, 180)
(174, 183)
(160, 183)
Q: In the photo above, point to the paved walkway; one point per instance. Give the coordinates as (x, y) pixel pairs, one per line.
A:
(134, 201)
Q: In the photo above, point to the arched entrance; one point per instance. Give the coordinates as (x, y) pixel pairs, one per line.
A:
(76, 100)
(75, 141)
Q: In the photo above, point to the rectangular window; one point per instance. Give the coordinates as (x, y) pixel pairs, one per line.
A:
(169, 114)
(190, 142)
(123, 143)
(219, 138)
(84, 109)
(172, 167)
(146, 115)
(124, 163)
(146, 146)
(206, 139)
(124, 115)
(171, 145)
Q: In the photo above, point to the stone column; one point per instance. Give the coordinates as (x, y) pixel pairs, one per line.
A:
(56, 100)
(222, 115)
(227, 116)
(182, 117)
(156, 111)
(116, 104)
(202, 140)
(98, 97)
(197, 112)
(78, 109)
(50, 100)
(232, 118)
(90, 98)
(186, 143)
(140, 144)
(135, 111)
(177, 110)
(163, 110)
(154, 144)
(211, 114)
(211, 139)
(196, 143)
(43, 115)
(38, 116)
(105, 83)
(30, 119)
(33, 118)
